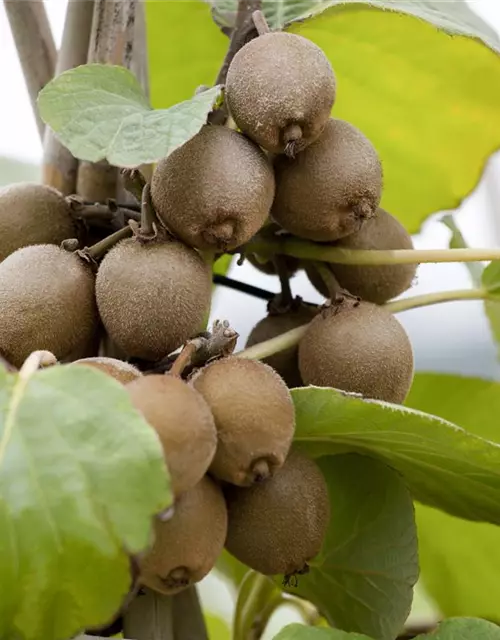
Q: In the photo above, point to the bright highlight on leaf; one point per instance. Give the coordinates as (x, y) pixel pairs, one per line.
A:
(363, 578)
(81, 475)
(100, 112)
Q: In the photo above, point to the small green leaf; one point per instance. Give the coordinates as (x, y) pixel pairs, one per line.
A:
(457, 241)
(491, 282)
(460, 560)
(431, 453)
(81, 475)
(363, 578)
(301, 632)
(433, 114)
(491, 278)
(217, 628)
(463, 629)
(99, 112)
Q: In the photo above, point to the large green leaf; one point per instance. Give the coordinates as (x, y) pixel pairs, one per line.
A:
(460, 560)
(100, 112)
(429, 103)
(431, 453)
(185, 49)
(301, 632)
(463, 629)
(81, 475)
(363, 578)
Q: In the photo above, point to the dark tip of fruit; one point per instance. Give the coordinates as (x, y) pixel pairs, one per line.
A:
(260, 471)
(178, 577)
(221, 234)
(363, 210)
(292, 137)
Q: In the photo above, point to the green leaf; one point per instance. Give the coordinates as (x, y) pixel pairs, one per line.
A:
(277, 12)
(432, 454)
(457, 241)
(232, 569)
(99, 112)
(491, 278)
(363, 578)
(491, 282)
(180, 59)
(301, 632)
(464, 629)
(433, 99)
(217, 628)
(81, 475)
(460, 560)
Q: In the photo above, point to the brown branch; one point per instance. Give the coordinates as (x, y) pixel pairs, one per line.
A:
(60, 168)
(243, 32)
(111, 42)
(35, 46)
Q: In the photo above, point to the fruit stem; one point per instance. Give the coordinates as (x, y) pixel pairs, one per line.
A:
(260, 23)
(286, 292)
(99, 249)
(183, 359)
(291, 338)
(149, 221)
(35, 361)
(257, 600)
(329, 280)
(306, 250)
(134, 182)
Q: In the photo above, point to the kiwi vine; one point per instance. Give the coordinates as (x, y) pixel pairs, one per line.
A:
(126, 288)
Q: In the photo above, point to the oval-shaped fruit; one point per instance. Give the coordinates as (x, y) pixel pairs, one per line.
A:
(279, 526)
(331, 188)
(153, 297)
(215, 191)
(46, 303)
(274, 324)
(32, 214)
(379, 283)
(358, 347)
(117, 369)
(183, 422)
(254, 416)
(187, 545)
(280, 89)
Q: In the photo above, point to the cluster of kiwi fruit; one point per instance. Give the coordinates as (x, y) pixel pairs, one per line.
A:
(283, 165)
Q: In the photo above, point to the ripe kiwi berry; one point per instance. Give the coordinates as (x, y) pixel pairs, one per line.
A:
(280, 89)
(331, 188)
(153, 297)
(274, 324)
(279, 526)
(47, 301)
(378, 283)
(254, 416)
(187, 546)
(117, 369)
(357, 347)
(32, 214)
(215, 191)
(183, 422)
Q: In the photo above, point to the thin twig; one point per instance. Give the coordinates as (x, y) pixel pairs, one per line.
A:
(243, 287)
(97, 250)
(35, 47)
(59, 167)
(134, 182)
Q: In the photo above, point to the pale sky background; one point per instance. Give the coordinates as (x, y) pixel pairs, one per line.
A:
(453, 337)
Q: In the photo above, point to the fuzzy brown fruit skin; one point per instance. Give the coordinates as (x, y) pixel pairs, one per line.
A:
(331, 188)
(154, 297)
(358, 347)
(280, 89)
(32, 214)
(47, 301)
(184, 423)
(254, 416)
(285, 363)
(118, 369)
(216, 191)
(379, 283)
(187, 546)
(279, 526)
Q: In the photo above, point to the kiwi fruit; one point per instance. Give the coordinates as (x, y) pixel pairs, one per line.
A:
(183, 422)
(153, 297)
(358, 347)
(331, 188)
(215, 191)
(187, 545)
(378, 283)
(47, 302)
(274, 324)
(31, 214)
(254, 416)
(117, 369)
(279, 526)
(280, 90)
